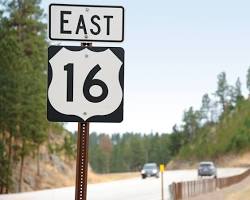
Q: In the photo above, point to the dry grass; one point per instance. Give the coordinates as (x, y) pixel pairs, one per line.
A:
(53, 177)
(241, 195)
(240, 160)
(98, 178)
(68, 179)
(233, 160)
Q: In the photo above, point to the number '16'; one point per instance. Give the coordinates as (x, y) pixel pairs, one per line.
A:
(88, 83)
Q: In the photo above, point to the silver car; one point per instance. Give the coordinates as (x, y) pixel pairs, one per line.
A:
(207, 169)
(150, 169)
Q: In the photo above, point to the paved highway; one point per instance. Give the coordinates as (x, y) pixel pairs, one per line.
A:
(130, 189)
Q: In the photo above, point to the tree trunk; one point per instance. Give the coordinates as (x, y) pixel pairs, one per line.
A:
(9, 162)
(1, 189)
(38, 160)
(21, 175)
(21, 170)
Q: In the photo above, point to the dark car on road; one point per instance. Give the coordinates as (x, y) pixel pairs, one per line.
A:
(150, 169)
(207, 169)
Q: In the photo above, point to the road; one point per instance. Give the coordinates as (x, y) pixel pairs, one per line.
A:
(130, 189)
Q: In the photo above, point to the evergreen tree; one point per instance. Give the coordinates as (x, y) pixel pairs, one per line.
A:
(238, 92)
(238, 87)
(106, 149)
(191, 121)
(69, 146)
(222, 89)
(206, 108)
(23, 60)
(248, 81)
(137, 152)
(175, 143)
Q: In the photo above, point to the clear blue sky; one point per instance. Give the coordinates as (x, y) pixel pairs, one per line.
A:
(174, 52)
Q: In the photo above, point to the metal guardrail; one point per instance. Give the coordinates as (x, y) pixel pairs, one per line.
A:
(184, 190)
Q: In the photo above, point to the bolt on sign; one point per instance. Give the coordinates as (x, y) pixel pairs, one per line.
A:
(85, 84)
(86, 23)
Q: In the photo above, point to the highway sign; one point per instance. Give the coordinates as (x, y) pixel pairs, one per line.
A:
(85, 84)
(86, 23)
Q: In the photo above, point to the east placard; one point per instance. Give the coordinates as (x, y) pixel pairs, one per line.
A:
(86, 23)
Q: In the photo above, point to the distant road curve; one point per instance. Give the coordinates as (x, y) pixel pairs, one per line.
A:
(129, 189)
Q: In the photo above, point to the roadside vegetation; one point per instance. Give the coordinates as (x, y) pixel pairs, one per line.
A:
(23, 64)
(230, 134)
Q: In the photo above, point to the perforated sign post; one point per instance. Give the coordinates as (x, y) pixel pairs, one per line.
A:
(85, 83)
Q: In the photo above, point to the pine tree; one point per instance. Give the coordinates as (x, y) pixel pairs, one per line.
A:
(191, 121)
(23, 51)
(238, 92)
(206, 108)
(176, 141)
(12, 79)
(222, 89)
(248, 81)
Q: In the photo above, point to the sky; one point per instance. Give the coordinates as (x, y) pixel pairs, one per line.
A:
(174, 51)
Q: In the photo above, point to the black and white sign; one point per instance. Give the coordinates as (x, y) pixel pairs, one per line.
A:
(86, 23)
(85, 84)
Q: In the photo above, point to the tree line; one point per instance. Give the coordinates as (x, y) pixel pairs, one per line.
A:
(23, 81)
(129, 151)
(23, 89)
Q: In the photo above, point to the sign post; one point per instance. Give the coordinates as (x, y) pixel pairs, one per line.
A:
(82, 161)
(162, 168)
(85, 84)
(82, 157)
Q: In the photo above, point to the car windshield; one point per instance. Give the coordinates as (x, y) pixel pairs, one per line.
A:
(206, 165)
(149, 166)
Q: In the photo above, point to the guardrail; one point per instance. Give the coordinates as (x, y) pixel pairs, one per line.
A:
(184, 190)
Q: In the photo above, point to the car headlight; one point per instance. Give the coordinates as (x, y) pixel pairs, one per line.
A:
(154, 171)
(143, 171)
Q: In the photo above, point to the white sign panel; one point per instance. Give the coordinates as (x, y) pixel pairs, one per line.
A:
(86, 23)
(85, 84)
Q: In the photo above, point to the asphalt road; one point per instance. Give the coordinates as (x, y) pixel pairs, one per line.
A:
(130, 189)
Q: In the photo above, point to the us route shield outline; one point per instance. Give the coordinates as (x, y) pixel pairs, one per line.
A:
(111, 61)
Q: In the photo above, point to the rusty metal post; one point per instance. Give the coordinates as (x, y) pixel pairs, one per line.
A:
(82, 157)
(82, 161)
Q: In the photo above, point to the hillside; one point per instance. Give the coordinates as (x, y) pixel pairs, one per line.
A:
(56, 167)
(226, 140)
